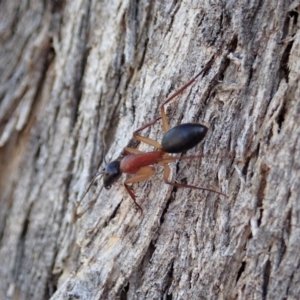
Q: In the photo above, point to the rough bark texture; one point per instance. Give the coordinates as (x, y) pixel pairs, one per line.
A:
(78, 75)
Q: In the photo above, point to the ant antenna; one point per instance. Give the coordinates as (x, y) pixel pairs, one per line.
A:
(97, 176)
(104, 149)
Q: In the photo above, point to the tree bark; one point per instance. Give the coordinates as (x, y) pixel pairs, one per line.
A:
(77, 78)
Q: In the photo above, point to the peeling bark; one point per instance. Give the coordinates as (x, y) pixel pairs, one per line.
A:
(77, 78)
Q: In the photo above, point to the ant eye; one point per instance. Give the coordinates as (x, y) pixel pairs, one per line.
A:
(108, 187)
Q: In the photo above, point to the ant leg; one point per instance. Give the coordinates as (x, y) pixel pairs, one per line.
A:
(163, 116)
(133, 197)
(147, 141)
(208, 65)
(142, 174)
(168, 158)
(132, 151)
(180, 185)
(144, 139)
(146, 125)
(165, 123)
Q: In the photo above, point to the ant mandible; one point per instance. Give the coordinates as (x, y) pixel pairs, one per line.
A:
(176, 140)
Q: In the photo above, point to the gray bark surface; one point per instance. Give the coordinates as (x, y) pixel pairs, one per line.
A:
(77, 78)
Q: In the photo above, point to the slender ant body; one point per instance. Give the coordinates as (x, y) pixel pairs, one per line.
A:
(176, 140)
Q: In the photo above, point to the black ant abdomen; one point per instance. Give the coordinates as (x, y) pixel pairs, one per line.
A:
(183, 137)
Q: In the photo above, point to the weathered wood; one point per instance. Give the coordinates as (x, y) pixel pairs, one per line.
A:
(78, 78)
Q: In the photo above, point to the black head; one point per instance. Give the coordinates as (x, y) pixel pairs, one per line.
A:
(111, 173)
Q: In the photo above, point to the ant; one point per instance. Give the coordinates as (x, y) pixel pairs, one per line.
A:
(179, 139)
